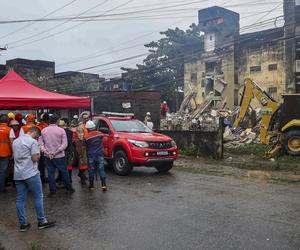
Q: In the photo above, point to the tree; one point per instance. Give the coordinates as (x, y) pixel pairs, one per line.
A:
(163, 68)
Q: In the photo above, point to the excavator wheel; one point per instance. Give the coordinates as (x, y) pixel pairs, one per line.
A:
(292, 142)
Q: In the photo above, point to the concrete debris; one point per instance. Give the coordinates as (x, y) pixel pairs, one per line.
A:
(207, 117)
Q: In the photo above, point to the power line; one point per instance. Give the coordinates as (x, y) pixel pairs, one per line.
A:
(269, 12)
(72, 27)
(78, 16)
(113, 62)
(181, 78)
(32, 23)
(101, 15)
(58, 25)
(112, 49)
(167, 8)
(95, 54)
(186, 56)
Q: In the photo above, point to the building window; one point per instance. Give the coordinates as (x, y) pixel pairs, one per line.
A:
(297, 2)
(210, 67)
(272, 67)
(209, 42)
(194, 77)
(298, 66)
(254, 69)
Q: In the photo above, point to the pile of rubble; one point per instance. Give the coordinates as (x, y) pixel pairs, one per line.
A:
(206, 117)
(248, 132)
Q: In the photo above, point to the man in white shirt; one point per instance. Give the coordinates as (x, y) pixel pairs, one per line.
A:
(27, 178)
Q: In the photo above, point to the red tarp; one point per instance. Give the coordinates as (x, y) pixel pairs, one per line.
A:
(17, 93)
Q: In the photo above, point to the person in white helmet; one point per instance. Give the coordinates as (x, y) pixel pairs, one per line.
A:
(148, 121)
(94, 148)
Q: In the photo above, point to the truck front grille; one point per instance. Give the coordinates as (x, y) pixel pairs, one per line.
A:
(160, 144)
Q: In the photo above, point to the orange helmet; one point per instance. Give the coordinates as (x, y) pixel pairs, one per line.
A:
(30, 118)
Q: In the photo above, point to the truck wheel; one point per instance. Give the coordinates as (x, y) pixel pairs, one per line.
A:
(292, 142)
(120, 164)
(164, 168)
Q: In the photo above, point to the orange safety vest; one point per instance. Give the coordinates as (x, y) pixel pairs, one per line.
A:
(27, 126)
(42, 125)
(82, 131)
(5, 144)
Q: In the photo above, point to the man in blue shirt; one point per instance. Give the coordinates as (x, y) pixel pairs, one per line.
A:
(27, 178)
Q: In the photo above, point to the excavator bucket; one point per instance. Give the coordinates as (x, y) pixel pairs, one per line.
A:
(274, 150)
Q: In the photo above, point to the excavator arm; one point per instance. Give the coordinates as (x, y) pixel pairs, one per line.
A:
(269, 107)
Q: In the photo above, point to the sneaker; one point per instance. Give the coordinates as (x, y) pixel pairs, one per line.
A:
(25, 227)
(104, 187)
(51, 194)
(46, 224)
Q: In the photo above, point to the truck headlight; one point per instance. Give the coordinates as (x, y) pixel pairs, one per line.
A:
(173, 143)
(140, 144)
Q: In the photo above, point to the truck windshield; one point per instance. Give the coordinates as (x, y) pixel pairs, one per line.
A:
(131, 126)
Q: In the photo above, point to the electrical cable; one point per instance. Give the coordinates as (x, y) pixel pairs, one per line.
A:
(32, 23)
(58, 25)
(95, 54)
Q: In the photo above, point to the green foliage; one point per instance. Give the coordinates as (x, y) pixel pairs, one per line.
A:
(190, 151)
(252, 148)
(163, 68)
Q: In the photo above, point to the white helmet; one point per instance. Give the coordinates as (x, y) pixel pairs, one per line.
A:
(148, 114)
(90, 125)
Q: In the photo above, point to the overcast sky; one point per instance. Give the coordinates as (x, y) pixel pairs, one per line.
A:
(104, 40)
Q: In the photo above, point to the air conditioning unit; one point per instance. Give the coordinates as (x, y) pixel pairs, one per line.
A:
(297, 66)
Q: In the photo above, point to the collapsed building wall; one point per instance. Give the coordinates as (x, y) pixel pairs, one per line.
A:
(213, 74)
(229, 58)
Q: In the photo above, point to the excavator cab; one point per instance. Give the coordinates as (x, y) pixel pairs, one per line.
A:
(290, 123)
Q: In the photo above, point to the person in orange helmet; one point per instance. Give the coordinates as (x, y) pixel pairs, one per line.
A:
(30, 122)
(45, 121)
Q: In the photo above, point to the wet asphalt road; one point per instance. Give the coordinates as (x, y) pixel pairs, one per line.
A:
(180, 210)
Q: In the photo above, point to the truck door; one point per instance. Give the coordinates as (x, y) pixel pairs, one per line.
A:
(107, 137)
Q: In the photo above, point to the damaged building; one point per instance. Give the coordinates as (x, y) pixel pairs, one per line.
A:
(269, 57)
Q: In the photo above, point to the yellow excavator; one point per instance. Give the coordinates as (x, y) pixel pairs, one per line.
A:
(280, 122)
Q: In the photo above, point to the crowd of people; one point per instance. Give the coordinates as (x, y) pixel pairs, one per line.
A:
(34, 153)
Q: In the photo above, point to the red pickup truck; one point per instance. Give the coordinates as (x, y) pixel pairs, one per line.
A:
(128, 142)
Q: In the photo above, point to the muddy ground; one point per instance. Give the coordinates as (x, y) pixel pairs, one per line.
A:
(241, 202)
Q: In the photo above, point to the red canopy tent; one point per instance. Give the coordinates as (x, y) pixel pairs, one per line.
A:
(17, 93)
